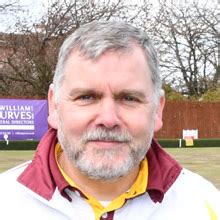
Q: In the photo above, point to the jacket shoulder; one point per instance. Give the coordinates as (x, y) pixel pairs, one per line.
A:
(13, 173)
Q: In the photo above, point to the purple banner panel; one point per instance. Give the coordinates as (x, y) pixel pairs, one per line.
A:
(23, 119)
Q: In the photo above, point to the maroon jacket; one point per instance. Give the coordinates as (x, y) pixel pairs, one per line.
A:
(42, 176)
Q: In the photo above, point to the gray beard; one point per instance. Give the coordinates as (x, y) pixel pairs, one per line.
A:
(106, 171)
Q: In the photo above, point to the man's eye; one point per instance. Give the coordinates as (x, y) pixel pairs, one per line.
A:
(86, 97)
(130, 98)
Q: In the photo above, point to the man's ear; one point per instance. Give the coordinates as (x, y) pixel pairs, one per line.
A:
(159, 114)
(52, 105)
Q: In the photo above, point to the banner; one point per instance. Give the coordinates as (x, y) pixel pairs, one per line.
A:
(23, 119)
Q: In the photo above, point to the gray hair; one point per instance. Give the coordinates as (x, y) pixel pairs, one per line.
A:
(95, 38)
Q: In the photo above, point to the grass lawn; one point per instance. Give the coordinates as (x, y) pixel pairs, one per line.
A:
(205, 161)
(9, 159)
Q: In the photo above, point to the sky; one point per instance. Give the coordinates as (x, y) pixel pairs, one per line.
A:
(36, 9)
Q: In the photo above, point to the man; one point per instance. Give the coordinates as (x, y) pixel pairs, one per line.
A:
(98, 160)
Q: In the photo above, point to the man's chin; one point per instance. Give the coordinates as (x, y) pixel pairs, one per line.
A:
(104, 178)
(104, 169)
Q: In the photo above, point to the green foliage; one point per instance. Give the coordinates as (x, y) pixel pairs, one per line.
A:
(171, 94)
(212, 95)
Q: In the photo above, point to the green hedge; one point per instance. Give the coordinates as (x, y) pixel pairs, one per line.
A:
(166, 143)
(197, 143)
(19, 145)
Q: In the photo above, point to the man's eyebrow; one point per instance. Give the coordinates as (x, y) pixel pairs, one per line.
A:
(79, 91)
(135, 93)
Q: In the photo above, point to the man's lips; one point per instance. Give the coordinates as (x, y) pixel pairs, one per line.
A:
(106, 143)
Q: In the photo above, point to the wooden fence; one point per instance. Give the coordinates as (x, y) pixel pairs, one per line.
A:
(178, 116)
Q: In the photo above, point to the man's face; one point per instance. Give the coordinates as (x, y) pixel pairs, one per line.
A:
(106, 113)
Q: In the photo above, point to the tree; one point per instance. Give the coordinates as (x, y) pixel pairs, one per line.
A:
(187, 36)
(32, 54)
(9, 7)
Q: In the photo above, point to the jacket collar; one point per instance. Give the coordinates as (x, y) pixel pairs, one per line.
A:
(43, 176)
(163, 171)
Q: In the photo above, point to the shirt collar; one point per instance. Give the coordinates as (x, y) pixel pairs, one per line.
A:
(43, 175)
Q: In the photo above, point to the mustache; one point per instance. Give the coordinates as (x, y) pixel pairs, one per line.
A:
(102, 134)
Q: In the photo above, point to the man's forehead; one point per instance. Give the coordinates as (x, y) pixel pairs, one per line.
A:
(94, 56)
(130, 69)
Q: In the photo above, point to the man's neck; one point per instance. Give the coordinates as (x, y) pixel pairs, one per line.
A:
(101, 190)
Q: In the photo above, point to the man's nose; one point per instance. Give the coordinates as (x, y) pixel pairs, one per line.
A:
(108, 114)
